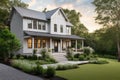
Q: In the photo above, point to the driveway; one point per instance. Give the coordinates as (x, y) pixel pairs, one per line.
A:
(9, 73)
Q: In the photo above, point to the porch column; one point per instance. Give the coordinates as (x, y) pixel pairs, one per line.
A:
(51, 44)
(32, 43)
(82, 43)
(61, 45)
(76, 45)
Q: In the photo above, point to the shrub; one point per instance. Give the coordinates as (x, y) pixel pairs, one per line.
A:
(100, 62)
(67, 66)
(44, 53)
(76, 55)
(69, 53)
(34, 51)
(81, 57)
(88, 50)
(50, 72)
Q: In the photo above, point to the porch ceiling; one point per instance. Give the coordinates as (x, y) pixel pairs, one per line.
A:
(31, 33)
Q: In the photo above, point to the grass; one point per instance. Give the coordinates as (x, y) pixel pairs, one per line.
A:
(109, 71)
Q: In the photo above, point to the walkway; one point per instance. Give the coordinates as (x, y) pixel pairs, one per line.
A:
(65, 62)
(9, 73)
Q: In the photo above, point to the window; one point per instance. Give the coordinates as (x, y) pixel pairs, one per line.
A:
(29, 43)
(39, 25)
(55, 27)
(39, 43)
(34, 24)
(35, 42)
(61, 28)
(44, 27)
(30, 25)
(68, 30)
(44, 43)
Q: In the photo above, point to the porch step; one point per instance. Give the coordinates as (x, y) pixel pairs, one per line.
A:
(59, 57)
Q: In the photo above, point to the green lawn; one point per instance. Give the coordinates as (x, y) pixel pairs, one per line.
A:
(109, 71)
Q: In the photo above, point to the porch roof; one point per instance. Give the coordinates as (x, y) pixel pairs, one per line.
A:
(31, 33)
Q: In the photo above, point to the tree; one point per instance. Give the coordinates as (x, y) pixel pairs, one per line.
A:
(74, 17)
(8, 43)
(108, 15)
(5, 8)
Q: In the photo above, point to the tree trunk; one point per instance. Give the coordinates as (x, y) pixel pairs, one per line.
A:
(118, 46)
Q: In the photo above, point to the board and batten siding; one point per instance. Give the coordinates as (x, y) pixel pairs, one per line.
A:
(17, 28)
(58, 18)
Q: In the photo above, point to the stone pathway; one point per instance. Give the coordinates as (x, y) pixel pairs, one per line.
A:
(9, 73)
(65, 62)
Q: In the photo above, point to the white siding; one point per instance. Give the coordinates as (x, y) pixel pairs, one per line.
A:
(25, 26)
(59, 20)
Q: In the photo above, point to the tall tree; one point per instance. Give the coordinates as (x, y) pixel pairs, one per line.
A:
(108, 15)
(74, 17)
(5, 8)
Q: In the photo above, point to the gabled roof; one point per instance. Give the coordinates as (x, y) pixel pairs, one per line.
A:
(50, 13)
(30, 13)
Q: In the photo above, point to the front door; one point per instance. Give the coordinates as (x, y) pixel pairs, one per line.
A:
(56, 46)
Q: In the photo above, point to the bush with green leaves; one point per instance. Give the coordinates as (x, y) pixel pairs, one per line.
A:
(50, 72)
(81, 57)
(8, 43)
(69, 53)
(99, 62)
(66, 66)
(88, 50)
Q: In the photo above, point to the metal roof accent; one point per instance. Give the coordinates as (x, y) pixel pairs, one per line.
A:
(32, 33)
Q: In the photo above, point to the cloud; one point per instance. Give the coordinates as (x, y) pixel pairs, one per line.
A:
(32, 3)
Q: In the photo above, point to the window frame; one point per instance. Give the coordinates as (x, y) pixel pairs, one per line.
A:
(55, 27)
(61, 28)
(34, 24)
(29, 44)
(28, 24)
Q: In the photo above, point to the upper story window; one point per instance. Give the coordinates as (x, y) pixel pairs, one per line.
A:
(30, 24)
(34, 24)
(61, 28)
(55, 27)
(44, 27)
(68, 30)
(39, 25)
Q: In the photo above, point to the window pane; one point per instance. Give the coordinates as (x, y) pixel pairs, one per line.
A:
(34, 24)
(44, 27)
(35, 43)
(30, 25)
(61, 28)
(39, 25)
(29, 43)
(55, 27)
(39, 45)
(44, 43)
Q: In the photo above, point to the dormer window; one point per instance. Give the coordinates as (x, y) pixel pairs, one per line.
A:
(34, 24)
(30, 24)
(55, 27)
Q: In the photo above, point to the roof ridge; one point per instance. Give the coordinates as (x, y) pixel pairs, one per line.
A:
(28, 9)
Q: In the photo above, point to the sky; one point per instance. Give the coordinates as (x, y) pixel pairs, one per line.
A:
(85, 7)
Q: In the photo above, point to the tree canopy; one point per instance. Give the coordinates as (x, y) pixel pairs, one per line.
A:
(5, 8)
(108, 15)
